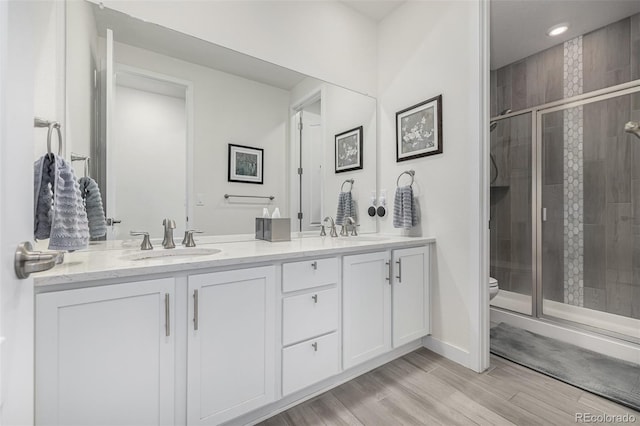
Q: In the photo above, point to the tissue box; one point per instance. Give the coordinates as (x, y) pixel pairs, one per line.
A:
(273, 230)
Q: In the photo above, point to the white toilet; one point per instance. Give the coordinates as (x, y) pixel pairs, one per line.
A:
(493, 288)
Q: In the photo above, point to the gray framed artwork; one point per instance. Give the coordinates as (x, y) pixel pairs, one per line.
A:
(419, 130)
(245, 164)
(348, 150)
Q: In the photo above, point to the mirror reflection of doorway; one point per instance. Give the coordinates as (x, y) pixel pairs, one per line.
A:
(149, 147)
(309, 160)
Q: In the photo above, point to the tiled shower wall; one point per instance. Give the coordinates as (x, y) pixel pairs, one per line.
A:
(591, 239)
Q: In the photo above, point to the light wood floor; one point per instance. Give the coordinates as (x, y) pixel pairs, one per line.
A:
(423, 388)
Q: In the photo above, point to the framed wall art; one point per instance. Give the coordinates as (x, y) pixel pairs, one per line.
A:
(348, 150)
(245, 164)
(419, 130)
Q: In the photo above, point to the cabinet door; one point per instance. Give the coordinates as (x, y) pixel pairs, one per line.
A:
(410, 295)
(231, 344)
(366, 307)
(105, 355)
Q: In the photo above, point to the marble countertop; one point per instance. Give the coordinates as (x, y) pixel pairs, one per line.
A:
(95, 264)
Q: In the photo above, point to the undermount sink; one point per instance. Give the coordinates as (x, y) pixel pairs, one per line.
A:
(164, 253)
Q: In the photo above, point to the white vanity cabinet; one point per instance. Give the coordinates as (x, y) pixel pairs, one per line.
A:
(366, 317)
(410, 295)
(105, 355)
(230, 344)
(225, 343)
(310, 322)
(385, 302)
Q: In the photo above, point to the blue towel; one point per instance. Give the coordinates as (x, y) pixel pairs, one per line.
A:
(59, 213)
(346, 208)
(405, 214)
(93, 206)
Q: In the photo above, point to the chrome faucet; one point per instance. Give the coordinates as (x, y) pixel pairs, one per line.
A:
(333, 232)
(351, 223)
(169, 226)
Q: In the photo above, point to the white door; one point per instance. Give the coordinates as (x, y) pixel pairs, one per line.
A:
(231, 344)
(311, 149)
(105, 355)
(366, 307)
(18, 35)
(410, 295)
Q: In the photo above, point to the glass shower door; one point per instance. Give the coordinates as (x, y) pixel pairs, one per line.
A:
(511, 219)
(589, 244)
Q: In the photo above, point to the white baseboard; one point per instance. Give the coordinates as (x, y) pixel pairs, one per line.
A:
(595, 342)
(447, 350)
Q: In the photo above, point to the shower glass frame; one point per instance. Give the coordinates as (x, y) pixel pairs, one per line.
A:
(537, 114)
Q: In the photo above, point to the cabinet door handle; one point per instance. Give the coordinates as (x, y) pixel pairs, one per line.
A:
(167, 316)
(388, 277)
(195, 310)
(315, 298)
(315, 346)
(314, 265)
(399, 277)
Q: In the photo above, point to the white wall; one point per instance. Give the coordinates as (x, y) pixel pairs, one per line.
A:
(149, 162)
(426, 49)
(228, 109)
(82, 45)
(324, 39)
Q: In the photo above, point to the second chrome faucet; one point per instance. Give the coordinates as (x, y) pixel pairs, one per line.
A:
(169, 226)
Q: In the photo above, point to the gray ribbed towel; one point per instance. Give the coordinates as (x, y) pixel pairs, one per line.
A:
(405, 214)
(93, 204)
(58, 210)
(346, 208)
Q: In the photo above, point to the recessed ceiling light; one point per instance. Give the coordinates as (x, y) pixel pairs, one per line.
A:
(556, 30)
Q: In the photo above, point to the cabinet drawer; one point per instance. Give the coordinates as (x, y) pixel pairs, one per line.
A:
(309, 362)
(308, 315)
(309, 273)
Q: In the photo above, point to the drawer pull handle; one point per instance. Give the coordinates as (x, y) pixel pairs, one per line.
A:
(314, 265)
(315, 346)
(399, 277)
(315, 298)
(388, 277)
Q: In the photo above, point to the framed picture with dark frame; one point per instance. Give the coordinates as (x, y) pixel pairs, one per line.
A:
(419, 130)
(349, 150)
(245, 164)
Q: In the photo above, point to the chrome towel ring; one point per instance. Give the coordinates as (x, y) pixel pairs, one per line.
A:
(411, 173)
(347, 181)
(39, 122)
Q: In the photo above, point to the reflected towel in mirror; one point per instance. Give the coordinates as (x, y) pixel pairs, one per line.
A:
(93, 205)
(346, 208)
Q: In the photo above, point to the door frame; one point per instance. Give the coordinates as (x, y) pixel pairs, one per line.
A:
(478, 359)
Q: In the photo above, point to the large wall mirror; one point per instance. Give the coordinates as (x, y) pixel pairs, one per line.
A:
(157, 110)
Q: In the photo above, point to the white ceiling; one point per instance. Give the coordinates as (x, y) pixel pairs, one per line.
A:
(518, 27)
(373, 9)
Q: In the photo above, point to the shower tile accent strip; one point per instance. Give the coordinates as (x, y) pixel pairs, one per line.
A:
(573, 177)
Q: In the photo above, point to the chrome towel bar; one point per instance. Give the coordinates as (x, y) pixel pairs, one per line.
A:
(227, 196)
